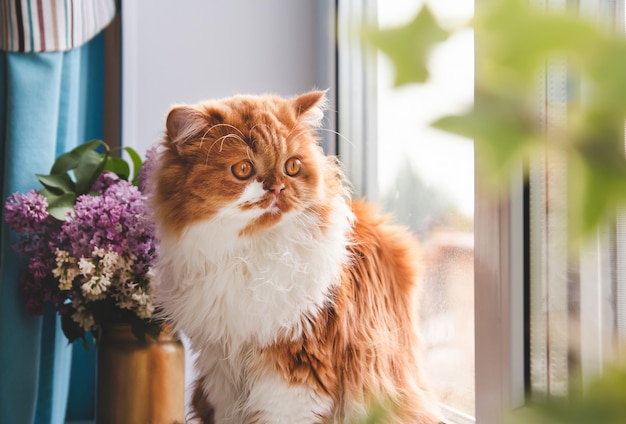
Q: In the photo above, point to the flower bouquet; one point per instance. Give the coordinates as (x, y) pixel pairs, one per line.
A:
(89, 242)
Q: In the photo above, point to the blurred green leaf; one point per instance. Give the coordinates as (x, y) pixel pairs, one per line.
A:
(604, 71)
(65, 162)
(60, 206)
(515, 40)
(597, 186)
(503, 136)
(57, 184)
(119, 166)
(408, 46)
(137, 163)
(603, 401)
(90, 166)
(70, 160)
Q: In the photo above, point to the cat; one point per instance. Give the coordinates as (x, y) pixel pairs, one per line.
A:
(298, 301)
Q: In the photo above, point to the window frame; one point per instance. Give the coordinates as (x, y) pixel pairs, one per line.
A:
(499, 293)
(356, 88)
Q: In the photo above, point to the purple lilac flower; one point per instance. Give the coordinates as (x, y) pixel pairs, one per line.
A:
(115, 221)
(26, 214)
(23, 212)
(148, 167)
(104, 181)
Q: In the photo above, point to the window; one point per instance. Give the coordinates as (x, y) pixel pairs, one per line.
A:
(422, 175)
(425, 177)
(506, 304)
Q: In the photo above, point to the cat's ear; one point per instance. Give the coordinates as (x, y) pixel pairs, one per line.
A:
(310, 107)
(183, 123)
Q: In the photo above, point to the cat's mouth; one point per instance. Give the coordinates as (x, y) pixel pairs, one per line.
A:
(271, 204)
(272, 209)
(274, 205)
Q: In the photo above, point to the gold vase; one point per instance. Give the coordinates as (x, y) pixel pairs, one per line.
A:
(139, 382)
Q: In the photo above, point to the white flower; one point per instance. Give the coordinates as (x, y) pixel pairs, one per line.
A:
(95, 287)
(86, 266)
(109, 262)
(82, 316)
(66, 269)
(106, 274)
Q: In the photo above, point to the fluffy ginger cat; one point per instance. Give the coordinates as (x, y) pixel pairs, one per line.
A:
(298, 301)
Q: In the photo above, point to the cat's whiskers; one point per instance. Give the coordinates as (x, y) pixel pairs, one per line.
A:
(223, 138)
(204, 136)
(337, 133)
(228, 126)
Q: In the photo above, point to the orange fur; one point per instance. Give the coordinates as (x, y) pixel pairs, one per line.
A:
(360, 347)
(363, 345)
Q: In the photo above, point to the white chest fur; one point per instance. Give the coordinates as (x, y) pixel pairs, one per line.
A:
(218, 286)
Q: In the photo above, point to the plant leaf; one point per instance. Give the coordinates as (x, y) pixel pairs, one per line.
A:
(408, 46)
(58, 184)
(65, 162)
(59, 206)
(137, 163)
(90, 145)
(605, 73)
(71, 159)
(510, 54)
(89, 167)
(502, 135)
(119, 166)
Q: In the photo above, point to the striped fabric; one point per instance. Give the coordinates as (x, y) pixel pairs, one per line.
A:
(51, 25)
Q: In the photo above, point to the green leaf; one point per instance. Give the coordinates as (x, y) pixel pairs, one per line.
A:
(65, 162)
(601, 402)
(89, 167)
(604, 71)
(596, 189)
(71, 159)
(119, 166)
(502, 133)
(137, 163)
(57, 184)
(408, 46)
(90, 145)
(511, 53)
(59, 206)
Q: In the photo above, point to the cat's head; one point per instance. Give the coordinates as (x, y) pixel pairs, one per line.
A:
(250, 160)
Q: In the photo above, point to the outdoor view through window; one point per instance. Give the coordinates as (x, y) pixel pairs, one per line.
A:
(426, 177)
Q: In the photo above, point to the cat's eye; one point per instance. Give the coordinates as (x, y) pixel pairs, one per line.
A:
(243, 170)
(293, 167)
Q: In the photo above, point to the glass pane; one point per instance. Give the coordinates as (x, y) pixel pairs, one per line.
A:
(426, 177)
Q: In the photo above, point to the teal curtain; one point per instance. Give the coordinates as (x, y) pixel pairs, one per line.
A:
(49, 103)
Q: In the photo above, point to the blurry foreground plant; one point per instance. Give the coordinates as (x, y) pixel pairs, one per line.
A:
(603, 401)
(516, 42)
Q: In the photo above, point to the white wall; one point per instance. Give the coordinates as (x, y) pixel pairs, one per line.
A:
(184, 51)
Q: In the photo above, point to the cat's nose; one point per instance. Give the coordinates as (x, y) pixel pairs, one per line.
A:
(277, 188)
